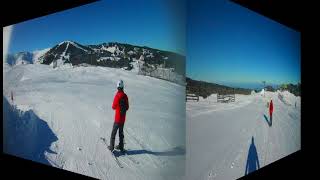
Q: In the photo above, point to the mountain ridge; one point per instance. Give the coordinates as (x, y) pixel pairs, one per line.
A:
(109, 54)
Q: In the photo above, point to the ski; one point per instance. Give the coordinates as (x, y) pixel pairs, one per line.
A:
(114, 157)
(125, 154)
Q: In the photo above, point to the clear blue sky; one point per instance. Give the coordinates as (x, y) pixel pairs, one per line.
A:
(157, 23)
(229, 44)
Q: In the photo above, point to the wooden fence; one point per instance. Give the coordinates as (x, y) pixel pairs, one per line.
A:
(192, 97)
(226, 98)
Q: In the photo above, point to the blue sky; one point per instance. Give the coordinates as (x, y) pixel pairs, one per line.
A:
(229, 44)
(157, 23)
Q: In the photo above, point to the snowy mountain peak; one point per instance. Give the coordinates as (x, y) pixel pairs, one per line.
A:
(65, 42)
(74, 44)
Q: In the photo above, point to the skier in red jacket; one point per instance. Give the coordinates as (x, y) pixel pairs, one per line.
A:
(271, 111)
(120, 105)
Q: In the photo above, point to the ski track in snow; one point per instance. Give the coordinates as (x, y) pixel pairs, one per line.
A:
(76, 104)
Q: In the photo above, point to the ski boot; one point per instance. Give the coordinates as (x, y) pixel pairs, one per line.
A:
(118, 148)
(110, 148)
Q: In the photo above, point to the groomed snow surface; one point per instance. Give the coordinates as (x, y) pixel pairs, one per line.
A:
(223, 139)
(57, 117)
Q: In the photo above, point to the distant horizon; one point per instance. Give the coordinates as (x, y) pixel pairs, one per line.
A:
(245, 85)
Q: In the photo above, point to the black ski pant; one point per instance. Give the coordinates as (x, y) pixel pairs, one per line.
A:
(115, 128)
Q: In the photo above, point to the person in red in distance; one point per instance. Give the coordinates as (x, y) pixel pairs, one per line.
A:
(120, 105)
(12, 96)
(271, 111)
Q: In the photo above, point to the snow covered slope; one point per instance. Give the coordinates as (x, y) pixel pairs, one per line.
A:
(219, 135)
(72, 107)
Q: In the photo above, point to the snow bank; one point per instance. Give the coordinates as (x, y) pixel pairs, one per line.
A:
(288, 98)
(163, 73)
(25, 134)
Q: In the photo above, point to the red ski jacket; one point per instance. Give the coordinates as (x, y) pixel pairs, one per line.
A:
(118, 118)
(271, 107)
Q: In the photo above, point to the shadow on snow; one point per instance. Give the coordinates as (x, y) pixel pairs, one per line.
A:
(25, 135)
(172, 152)
(252, 159)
